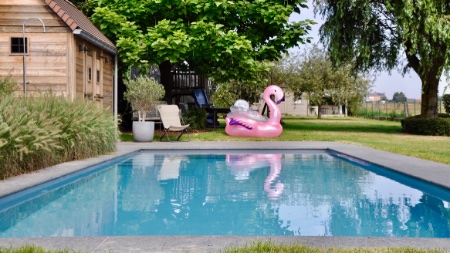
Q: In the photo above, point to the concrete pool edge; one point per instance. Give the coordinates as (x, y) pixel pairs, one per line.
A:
(217, 243)
(428, 171)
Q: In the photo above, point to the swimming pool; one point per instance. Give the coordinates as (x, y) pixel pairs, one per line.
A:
(230, 193)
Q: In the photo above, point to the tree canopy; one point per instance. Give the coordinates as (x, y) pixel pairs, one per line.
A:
(374, 35)
(312, 73)
(399, 97)
(222, 39)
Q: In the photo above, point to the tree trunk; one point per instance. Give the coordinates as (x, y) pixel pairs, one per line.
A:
(429, 75)
(319, 111)
(430, 89)
(165, 69)
(346, 108)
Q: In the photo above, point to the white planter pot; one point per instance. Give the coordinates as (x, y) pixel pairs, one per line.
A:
(143, 131)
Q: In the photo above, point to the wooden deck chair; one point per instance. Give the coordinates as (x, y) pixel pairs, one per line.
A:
(170, 117)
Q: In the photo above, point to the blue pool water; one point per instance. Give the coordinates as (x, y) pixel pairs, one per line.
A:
(299, 193)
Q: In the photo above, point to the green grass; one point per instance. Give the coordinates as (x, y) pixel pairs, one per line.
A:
(382, 135)
(31, 249)
(296, 248)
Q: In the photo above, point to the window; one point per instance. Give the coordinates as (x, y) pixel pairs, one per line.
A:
(89, 74)
(98, 76)
(17, 45)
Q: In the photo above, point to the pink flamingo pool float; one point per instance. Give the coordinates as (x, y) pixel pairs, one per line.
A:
(242, 164)
(242, 121)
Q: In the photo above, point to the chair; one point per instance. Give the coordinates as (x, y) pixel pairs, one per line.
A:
(170, 117)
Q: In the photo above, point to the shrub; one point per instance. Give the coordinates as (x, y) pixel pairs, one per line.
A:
(446, 99)
(196, 117)
(37, 132)
(7, 85)
(427, 126)
(142, 94)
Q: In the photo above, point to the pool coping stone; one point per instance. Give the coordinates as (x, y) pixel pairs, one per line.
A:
(432, 172)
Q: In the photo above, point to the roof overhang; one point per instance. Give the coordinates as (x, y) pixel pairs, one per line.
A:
(92, 39)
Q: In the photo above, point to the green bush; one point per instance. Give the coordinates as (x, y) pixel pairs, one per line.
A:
(196, 117)
(439, 126)
(446, 99)
(37, 132)
(143, 93)
(7, 85)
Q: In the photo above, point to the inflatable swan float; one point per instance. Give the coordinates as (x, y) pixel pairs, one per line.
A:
(242, 121)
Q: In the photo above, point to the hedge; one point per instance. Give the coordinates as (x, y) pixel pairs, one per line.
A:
(439, 126)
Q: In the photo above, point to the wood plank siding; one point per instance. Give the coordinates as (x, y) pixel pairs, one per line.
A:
(58, 60)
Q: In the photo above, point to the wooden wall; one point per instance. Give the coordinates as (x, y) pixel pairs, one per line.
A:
(47, 57)
(54, 61)
(99, 89)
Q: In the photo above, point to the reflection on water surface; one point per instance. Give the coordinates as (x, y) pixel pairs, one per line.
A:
(295, 193)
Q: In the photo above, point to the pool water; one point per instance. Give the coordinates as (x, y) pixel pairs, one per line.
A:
(292, 193)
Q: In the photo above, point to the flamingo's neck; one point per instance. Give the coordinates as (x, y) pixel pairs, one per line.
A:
(275, 170)
(275, 114)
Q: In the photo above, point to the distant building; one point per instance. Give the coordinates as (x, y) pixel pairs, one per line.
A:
(375, 97)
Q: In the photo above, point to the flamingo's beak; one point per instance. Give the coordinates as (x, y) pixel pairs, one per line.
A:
(281, 100)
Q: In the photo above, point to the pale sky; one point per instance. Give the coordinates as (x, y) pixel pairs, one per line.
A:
(409, 84)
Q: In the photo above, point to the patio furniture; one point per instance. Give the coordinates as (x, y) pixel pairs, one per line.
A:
(171, 120)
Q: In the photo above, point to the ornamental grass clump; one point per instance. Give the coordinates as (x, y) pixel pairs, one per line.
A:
(7, 85)
(142, 94)
(37, 132)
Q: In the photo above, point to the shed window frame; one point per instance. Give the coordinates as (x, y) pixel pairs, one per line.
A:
(17, 45)
(89, 74)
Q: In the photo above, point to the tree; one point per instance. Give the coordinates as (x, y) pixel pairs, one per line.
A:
(222, 39)
(375, 34)
(399, 97)
(311, 72)
(225, 94)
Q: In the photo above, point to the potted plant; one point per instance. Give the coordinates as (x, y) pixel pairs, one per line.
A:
(143, 93)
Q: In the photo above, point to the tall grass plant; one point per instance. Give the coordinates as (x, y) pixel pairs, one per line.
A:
(37, 132)
(7, 85)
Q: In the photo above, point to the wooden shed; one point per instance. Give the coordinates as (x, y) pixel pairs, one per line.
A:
(51, 45)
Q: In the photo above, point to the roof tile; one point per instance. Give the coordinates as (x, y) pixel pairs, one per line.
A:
(75, 19)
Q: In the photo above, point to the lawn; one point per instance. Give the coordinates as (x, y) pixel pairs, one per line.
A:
(382, 135)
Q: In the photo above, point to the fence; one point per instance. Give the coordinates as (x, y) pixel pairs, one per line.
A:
(393, 110)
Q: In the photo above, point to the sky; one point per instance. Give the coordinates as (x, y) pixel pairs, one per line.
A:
(409, 84)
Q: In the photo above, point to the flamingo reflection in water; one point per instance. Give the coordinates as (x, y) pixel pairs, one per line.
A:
(242, 164)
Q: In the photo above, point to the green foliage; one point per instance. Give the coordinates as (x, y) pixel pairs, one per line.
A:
(446, 99)
(224, 39)
(225, 94)
(374, 34)
(142, 94)
(37, 132)
(399, 97)
(7, 85)
(312, 73)
(273, 247)
(31, 249)
(427, 126)
(196, 117)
